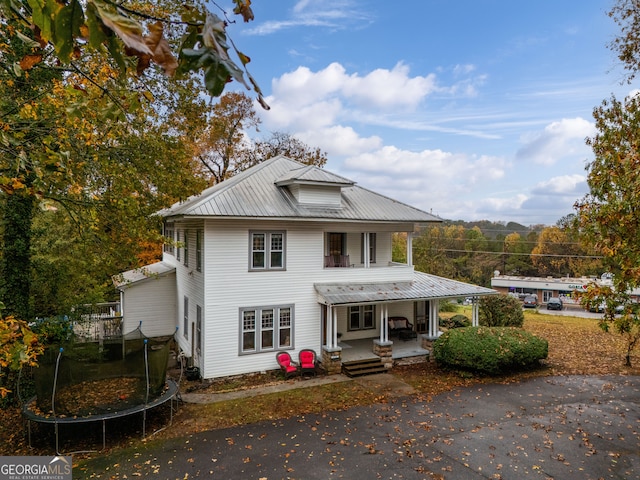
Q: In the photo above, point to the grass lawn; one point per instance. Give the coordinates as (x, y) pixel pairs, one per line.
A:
(577, 346)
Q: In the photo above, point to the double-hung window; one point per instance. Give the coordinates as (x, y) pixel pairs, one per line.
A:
(267, 250)
(266, 328)
(169, 242)
(178, 247)
(199, 240)
(186, 248)
(362, 317)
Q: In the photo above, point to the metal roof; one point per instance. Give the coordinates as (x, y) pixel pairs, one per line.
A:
(313, 174)
(423, 287)
(136, 275)
(253, 193)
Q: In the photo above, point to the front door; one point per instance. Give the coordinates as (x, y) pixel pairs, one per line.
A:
(421, 315)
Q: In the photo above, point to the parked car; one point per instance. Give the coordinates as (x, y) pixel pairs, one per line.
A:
(530, 301)
(554, 303)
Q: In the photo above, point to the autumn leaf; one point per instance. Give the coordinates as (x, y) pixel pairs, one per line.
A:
(127, 29)
(28, 61)
(161, 50)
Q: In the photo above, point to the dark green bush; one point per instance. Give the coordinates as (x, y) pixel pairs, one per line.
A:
(457, 321)
(491, 350)
(500, 311)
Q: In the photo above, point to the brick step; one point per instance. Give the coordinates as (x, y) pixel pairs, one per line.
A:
(358, 368)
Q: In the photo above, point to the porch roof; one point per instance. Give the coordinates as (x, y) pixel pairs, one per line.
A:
(130, 277)
(423, 287)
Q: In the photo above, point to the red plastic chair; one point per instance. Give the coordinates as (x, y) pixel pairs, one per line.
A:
(288, 366)
(308, 362)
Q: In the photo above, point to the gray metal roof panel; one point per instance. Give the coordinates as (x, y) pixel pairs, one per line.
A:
(423, 287)
(136, 275)
(254, 194)
(313, 174)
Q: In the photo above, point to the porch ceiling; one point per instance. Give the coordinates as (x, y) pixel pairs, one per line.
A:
(422, 287)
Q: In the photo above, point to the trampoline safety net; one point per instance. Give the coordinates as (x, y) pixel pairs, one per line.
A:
(96, 378)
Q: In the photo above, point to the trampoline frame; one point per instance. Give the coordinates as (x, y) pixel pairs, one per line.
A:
(171, 394)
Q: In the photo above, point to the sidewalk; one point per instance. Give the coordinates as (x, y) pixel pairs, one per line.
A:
(383, 382)
(255, 391)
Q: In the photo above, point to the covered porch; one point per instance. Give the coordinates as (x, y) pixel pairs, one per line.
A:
(362, 349)
(356, 317)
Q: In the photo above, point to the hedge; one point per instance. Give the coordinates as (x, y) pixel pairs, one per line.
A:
(491, 350)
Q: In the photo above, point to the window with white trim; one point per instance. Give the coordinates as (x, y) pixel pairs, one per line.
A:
(199, 239)
(169, 242)
(266, 328)
(178, 245)
(362, 317)
(267, 250)
(186, 248)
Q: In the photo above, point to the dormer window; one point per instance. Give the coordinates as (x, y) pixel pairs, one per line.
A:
(313, 187)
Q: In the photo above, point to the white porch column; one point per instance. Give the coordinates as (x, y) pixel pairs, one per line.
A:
(434, 322)
(384, 323)
(410, 249)
(334, 327)
(329, 339)
(475, 312)
(365, 246)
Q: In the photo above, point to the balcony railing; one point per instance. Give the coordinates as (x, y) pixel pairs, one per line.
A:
(98, 322)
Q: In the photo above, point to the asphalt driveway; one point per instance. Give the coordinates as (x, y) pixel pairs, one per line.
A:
(565, 428)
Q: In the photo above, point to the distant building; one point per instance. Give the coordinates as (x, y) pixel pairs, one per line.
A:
(547, 287)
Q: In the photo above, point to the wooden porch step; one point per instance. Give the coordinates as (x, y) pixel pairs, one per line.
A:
(358, 368)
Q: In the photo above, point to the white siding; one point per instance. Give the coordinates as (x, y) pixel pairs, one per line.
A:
(190, 284)
(152, 302)
(226, 285)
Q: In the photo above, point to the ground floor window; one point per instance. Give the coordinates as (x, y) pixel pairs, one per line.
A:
(266, 328)
(362, 317)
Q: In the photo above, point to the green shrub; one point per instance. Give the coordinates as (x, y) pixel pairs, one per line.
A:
(491, 350)
(500, 311)
(457, 321)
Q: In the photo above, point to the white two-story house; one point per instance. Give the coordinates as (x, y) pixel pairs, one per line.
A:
(283, 256)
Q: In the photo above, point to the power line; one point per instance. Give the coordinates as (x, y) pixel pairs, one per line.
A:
(519, 254)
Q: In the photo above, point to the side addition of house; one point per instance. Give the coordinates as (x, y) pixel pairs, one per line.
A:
(285, 256)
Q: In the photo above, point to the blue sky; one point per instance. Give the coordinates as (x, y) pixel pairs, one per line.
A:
(470, 109)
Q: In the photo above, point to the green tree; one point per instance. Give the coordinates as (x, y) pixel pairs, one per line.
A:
(180, 39)
(609, 214)
(517, 259)
(224, 146)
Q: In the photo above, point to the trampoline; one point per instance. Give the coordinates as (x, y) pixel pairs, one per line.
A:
(90, 382)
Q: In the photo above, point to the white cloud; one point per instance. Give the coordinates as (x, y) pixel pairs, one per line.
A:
(333, 14)
(340, 141)
(381, 88)
(572, 185)
(557, 141)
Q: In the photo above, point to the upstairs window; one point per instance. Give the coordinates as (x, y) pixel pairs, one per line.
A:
(186, 248)
(199, 240)
(168, 233)
(267, 250)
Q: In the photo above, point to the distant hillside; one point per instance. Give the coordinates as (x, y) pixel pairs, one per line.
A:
(497, 229)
